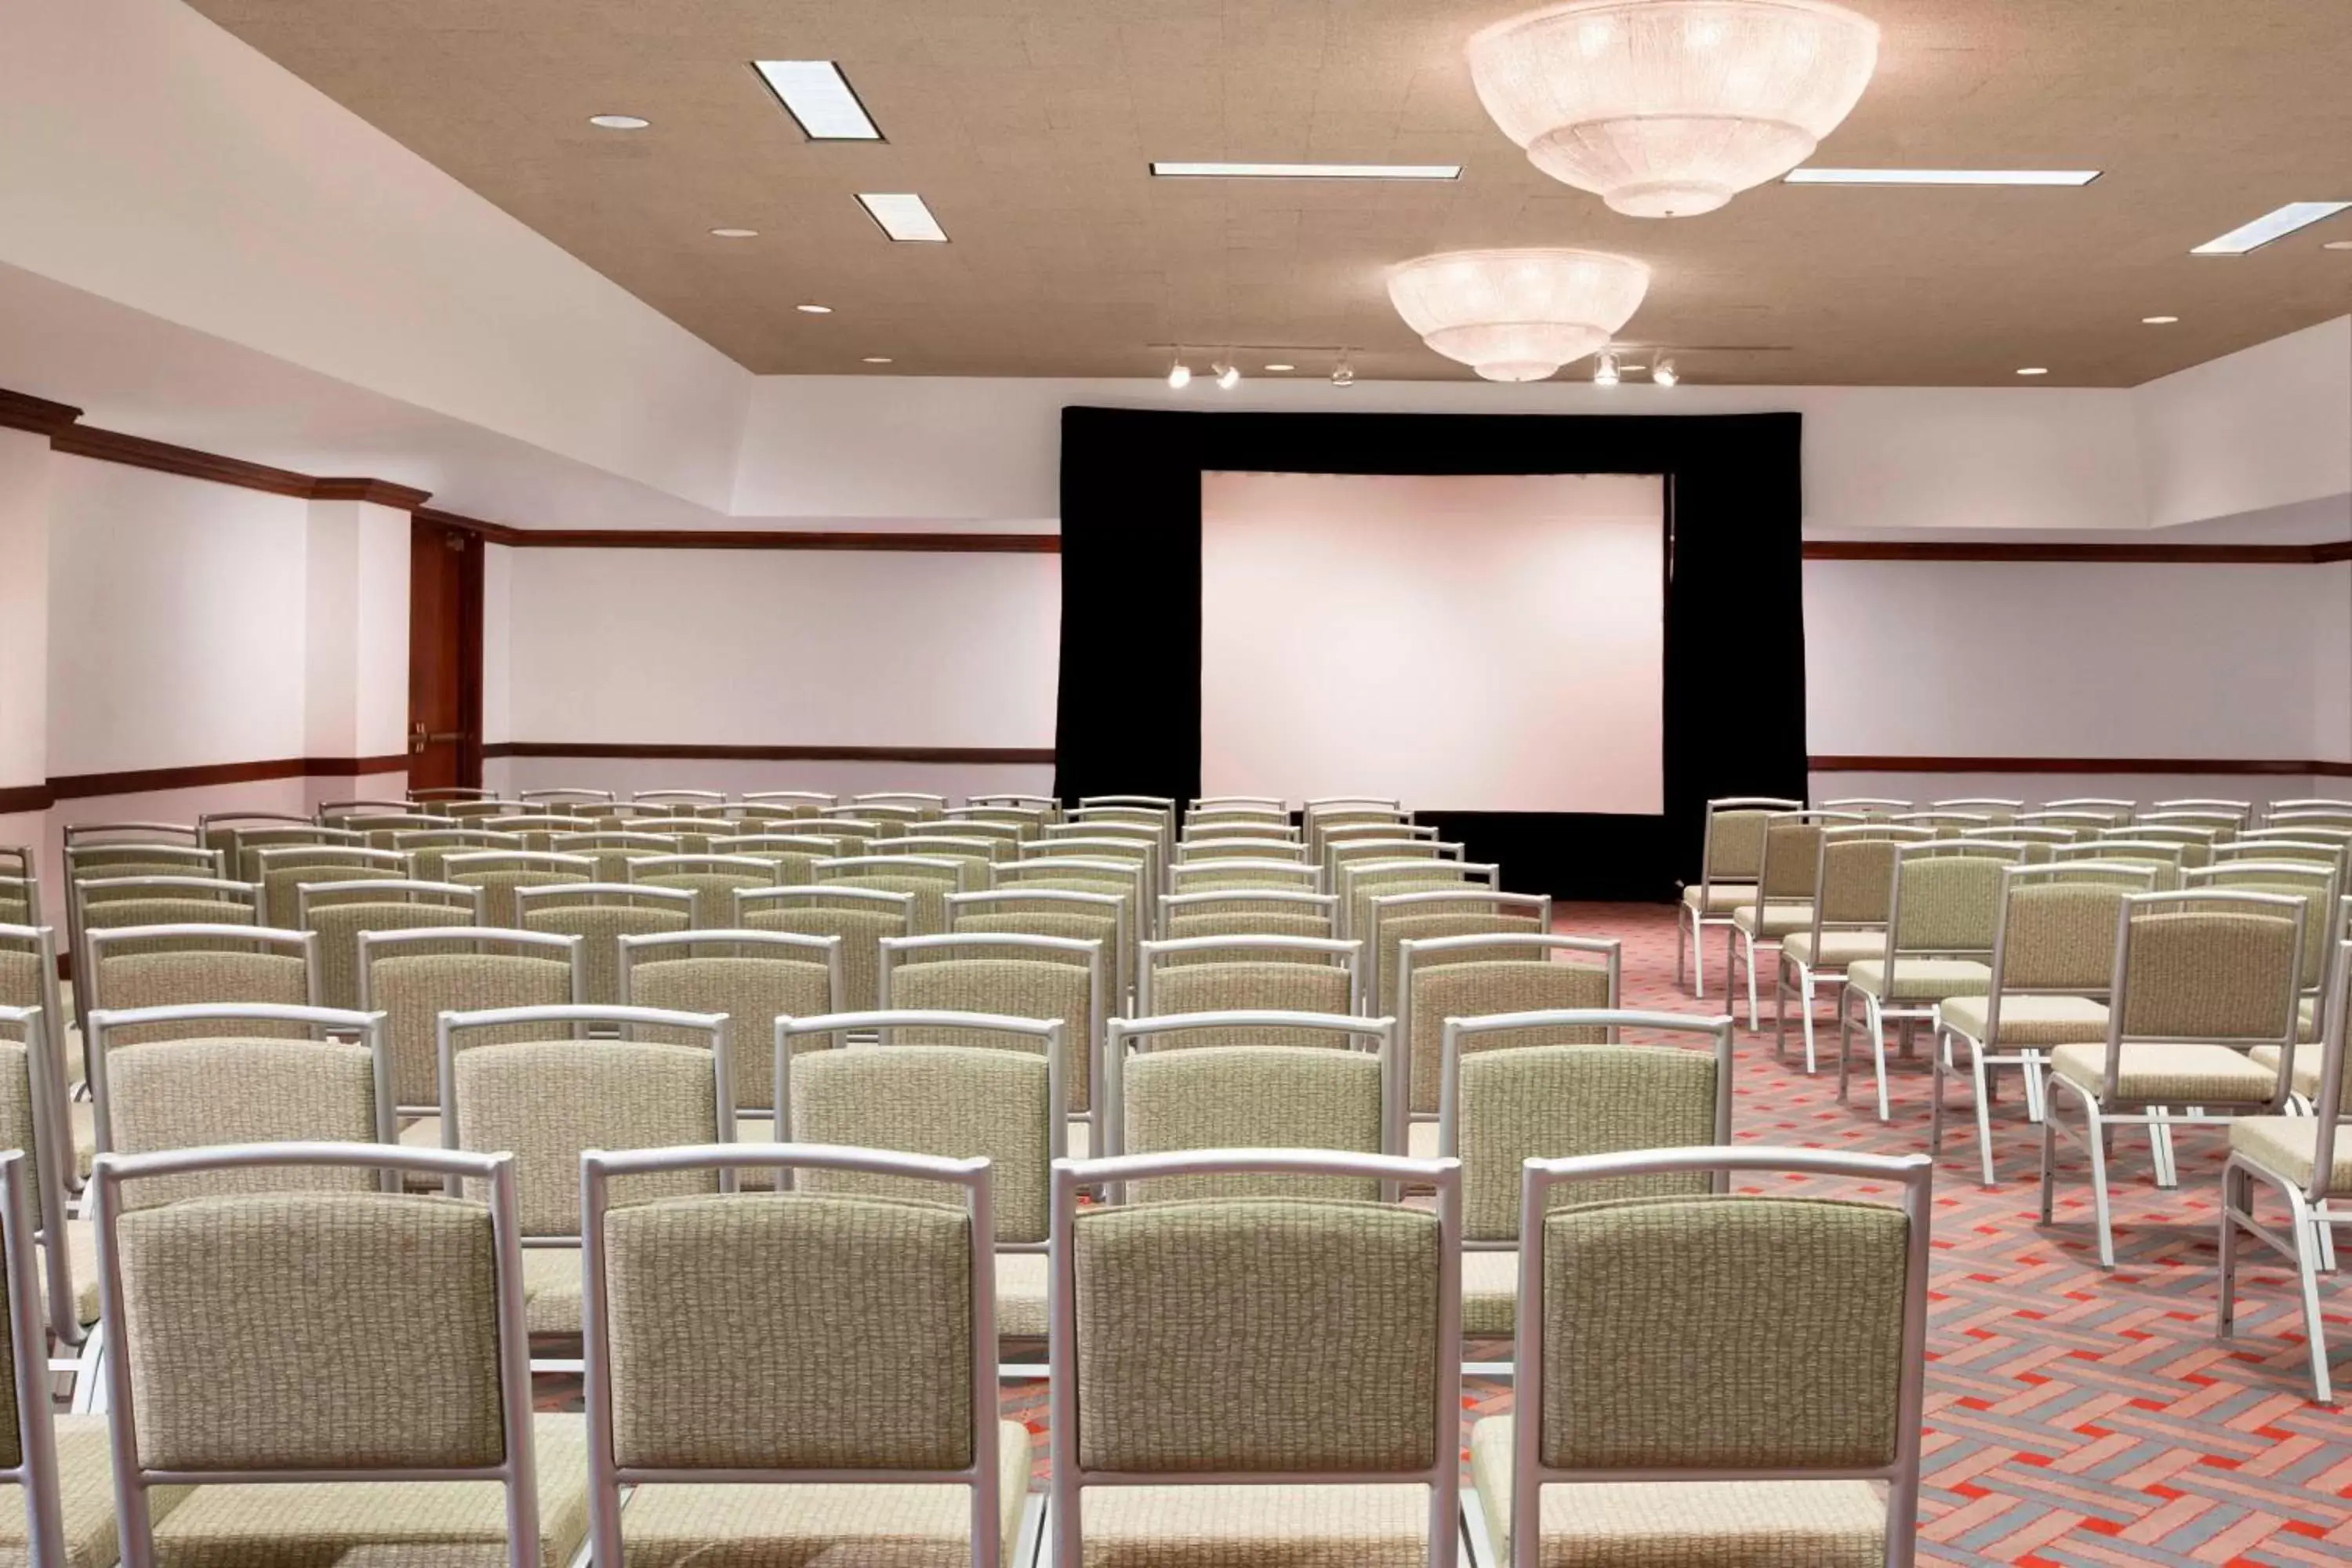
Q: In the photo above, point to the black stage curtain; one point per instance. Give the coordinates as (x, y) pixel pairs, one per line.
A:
(1129, 712)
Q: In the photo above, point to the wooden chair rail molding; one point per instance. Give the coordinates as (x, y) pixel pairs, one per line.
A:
(2245, 766)
(61, 422)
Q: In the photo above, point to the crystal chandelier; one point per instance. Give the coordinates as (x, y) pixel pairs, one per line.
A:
(1518, 315)
(1666, 108)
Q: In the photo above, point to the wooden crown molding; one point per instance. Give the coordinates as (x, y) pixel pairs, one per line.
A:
(2161, 554)
(678, 753)
(378, 492)
(2245, 766)
(22, 411)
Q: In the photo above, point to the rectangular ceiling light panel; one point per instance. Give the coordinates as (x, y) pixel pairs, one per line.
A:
(1941, 176)
(2270, 226)
(903, 217)
(1307, 171)
(819, 98)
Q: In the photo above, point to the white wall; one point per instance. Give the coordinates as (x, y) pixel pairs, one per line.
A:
(2267, 426)
(356, 630)
(23, 608)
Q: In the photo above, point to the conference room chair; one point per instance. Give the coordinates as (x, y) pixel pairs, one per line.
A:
(2202, 979)
(2241, 811)
(860, 917)
(2197, 842)
(330, 813)
(1248, 911)
(1198, 851)
(1045, 807)
(102, 903)
(281, 871)
(2299, 833)
(600, 914)
(32, 1122)
(877, 819)
(173, 965)
(2219, 827)
(678, 802)
(498, 872)
(1654, 1422)
(1945, 823)
(2002, 810)
(926, 878)
(925, 808)
(1321, 826)
(1360, 882)
(843, 1407)
(1389, 920)
(381, 829)
(794, 854)
(2079, 824)
(1198, 1413)
(1870, 807)
(1853, 882)
(2336, 817)
(1070, 913)
(1002, 839)
(91, 834)
(1129, 876)
(1270, 804)
(1267, 820)
(1194, 973)
(613, 849)
(979, 855)
(1252, 1079)
(2040, 844)
(245, 844)
(2168, 858)
(452, 791)
(2320, 886)
(1731, 857)
(552, 1083)
(799, 802)
(1483, 975)
(1009, 974)
(218, 829)
(2308, 803)
(564, 797)
(689, 835)
(336, 913)
(1026, 821)
(711, 881)
(1231, 876)
(538, 830)
(2115, 811)
(1111, 840)
(413, 976)
(20, 885)
(1338, 857)
(117, 855)
(431, 848)
(1006, 1103)
(2305, 1161)
(1943, 904)
(1328, 839)
(399, 1368)
(752, 978)
(28, 974)
(2054, 960)
(1557, 1082)
(1787, 878)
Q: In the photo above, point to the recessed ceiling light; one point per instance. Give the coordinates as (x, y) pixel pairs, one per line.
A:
(1307, 171)
(819, 99)
(2337, 245)
(1278, 369)
(904, 217)
(2271, 225)
(1940, 177)
(813, 309)
(2035, 370)
(877, 359)
(618, 122)
(735, 233)
(2157, 320)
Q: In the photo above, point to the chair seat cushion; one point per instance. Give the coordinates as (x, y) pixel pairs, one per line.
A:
(2167, 1073)
(1490, 1292)
(2288, 1146)
(1920, 979)
(2029, 1020)
(1021, 1279)
(1689, 1524)
(1774, 919)
(1297, 1527)
(308, 1522)
(2308, 1059)
(551, 1289)
(810, 1523)
(1839, 948)
(85, 1495)
(1720, 898)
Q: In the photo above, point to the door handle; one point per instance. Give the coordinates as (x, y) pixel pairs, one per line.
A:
(419, 738)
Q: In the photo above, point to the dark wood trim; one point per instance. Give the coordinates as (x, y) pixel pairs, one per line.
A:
(14, 798)
(2233, 765)
(1040, 754)
(23, 411)
(491, 532)
(2163, 554)
(381, 492)
(80, 786)
(785, 539)
(138, 452)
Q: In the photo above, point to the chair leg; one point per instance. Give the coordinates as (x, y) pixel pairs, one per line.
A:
(2314, 1328)
(1682, 945)
(1698, 957)
(2097, 1142)
(2049, 1166)
(1984, 1109)
(2326, 1235)
(1780, 1009)
(2037, 1088)
(2237, 1193)
(2159, 1149)
(1845, 1039)
(1878, 1053)
(1731, 954)
(1806, 992)
(1755, 1020)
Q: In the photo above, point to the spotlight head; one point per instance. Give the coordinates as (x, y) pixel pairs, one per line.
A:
(1604, 371)
(1343, 373)
(1180, 375)
(1664, 374)
(1229, 375)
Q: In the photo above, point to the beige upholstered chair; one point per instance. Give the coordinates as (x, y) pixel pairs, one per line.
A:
(2196, 844)
(1360, 882)
(33, 1122)
(1002, 839)
(1731, 856)
(245, 844)
(1391, 920)
(1653, 1421)
(928, 879)
(29, 974)
(600, 914)
(108, 904)
(485, 809)
(315, 1422)
(2242, 812)
(1788, 878)
(179, 966)
(87, 835)
(1945, 824)
(2054, 959)
(1230, 819)
(880, 820)
(979, 855)
(860, 917)
(2000, 810)
(1871, 807)
(380, 827)
(925, 808)
(1221, 973)
(2321, 888)
(1855, 879)
(2200, 979)
(712, 879)
(799, 802)
(499, 873)
(1029, 821)
(413, 976)
(1142, 848)
(753, 977)
(1252, 1079)
(844, 1406)
(2259, 846)
(2308, 806)
(87, 860)
(1201, 1413)
(1011, 975)
(1006, 1103)
(1248, 911)
(1486, 973)
(538, 830)
(1228, 876)
(564, 799)
(1129, 878)
(529, 1080)
(2168, 858)
(2081, 823)
(1073, 914)
(337, 913)
(678, 801)
(613, 849)
(1198, 851)
(794, 854)
(2221, 820)
(1944, 904)
(2111, 809)
(2307, 1162)
(20, 894)
(433, 847)
(2041, 844)
(1555, 1082)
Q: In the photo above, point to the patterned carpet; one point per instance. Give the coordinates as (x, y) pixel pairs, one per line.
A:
(2074, 1417)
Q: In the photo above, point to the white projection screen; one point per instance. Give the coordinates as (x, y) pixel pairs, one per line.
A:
(1467, 642)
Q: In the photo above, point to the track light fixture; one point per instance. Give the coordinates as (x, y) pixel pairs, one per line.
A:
(1664, 374)
(1229, 375)
(1605, 369)
(1344, 373)
(1179, 374)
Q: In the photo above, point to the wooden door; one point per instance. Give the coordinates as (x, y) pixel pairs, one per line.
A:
(444, 657)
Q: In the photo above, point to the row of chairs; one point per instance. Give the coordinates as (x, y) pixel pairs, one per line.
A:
(804, 1367)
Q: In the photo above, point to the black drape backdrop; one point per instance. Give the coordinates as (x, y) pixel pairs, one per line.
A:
(1129, 715)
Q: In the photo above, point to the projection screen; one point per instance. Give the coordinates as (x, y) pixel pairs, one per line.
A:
(1477, 643)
